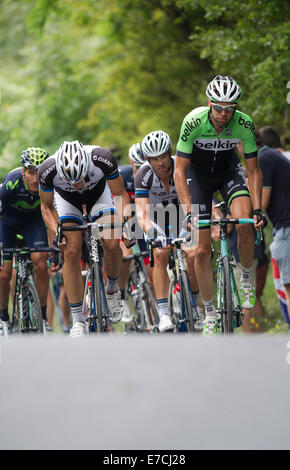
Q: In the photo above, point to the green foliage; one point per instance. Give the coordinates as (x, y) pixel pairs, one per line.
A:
(110, 71)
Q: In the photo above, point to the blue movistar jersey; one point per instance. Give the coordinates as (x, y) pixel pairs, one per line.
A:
(15, 199)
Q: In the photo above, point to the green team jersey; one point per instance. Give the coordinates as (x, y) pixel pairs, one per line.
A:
(208, 151)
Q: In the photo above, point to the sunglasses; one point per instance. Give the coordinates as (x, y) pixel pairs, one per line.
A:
(219, 108)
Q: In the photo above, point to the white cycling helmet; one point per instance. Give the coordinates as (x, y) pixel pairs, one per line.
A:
(136, 155)
(223, 89)
(72, 161)
(156, 143)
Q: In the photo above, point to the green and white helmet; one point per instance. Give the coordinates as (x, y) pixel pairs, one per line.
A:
(223, 89)
(32, 157)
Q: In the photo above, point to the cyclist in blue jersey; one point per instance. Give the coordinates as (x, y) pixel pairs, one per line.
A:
(205, 150)
(21, 214)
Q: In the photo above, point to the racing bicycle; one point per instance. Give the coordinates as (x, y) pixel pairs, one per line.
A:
(26, 313)
(146, 317)
(95, 305)
(181, 305)
(229, 310)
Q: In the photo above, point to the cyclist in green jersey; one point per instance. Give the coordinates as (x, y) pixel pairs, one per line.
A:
(206, 162)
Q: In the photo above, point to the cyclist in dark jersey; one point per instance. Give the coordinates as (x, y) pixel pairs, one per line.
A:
(78, 176)
(21, 214)
(205, 149)
(136, 159)
(159, 213)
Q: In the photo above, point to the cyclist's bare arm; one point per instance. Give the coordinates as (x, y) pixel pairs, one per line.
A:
(118, 189)
(49, 213)
(142, 212)
(255, 185)
(181, 167)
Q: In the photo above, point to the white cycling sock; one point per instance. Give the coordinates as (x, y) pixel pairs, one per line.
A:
(162, 307)
(77, 312)
(209, 310)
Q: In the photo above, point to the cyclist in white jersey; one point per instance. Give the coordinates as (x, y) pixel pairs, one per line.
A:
(74, 177)
(154, 185)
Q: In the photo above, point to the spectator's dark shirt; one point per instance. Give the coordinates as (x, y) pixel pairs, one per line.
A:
(275, 168)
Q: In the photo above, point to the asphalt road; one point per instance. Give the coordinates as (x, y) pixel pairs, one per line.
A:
(135, 392)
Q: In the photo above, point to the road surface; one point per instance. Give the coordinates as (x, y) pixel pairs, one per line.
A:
(137, 392)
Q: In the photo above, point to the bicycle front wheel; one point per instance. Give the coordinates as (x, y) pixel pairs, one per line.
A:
(150, 309)
(227, 313)
(100, 299)
(27, 315)
(186, 300)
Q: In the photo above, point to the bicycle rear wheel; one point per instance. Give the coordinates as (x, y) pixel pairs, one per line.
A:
(227, 313)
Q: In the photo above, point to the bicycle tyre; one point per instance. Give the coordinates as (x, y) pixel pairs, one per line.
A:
(151, 310)
(88, 305)
(184, 289)
(138, 322)
(102, 309)
(174, 305)
(227, 313)
(29, 303)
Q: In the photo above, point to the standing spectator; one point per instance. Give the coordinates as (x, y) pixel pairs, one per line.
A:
(271, 138)
(275, 169)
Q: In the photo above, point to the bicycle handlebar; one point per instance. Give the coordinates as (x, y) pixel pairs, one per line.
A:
(28, 250)
(100, 227)
(229, 220)
(142, 254)
(225, 221)
(24, 250)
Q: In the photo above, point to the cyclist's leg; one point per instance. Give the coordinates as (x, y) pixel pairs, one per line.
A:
(8, 238)
(103, 211)
(34, 231)
(201, 190)
(161, 287)
(241, 208)
(235, 192)
(123, 279)
(125, 267)
(72, 277)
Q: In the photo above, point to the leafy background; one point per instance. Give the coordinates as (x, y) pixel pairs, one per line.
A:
(107, 72)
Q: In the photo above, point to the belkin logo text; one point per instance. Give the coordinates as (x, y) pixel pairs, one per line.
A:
(216, 144)
(189, 127)
(247, 124)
